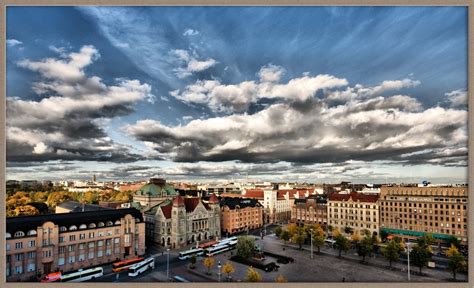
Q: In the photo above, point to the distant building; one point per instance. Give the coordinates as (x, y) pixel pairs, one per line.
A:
(38, 245)
(240, 214)
(411, 212)
(355, 210)
(74, 206)
(154, 192)
(310, 210)
(131, 186)
(177, 222)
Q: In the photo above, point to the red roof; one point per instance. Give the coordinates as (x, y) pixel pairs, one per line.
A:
(178, 201)
(191, 203)
(254, 193)
(232, 195)
(166, 210)
(213, 199)
(355, 197)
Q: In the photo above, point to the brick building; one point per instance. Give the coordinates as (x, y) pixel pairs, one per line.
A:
(411, 212)
(310, 210)
(37, 245)
(240, 214)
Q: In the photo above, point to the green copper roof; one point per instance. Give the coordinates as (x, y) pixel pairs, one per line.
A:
(156, 190)
(416, 233)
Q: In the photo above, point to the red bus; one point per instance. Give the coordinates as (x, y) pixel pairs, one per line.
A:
(207, 244)
(125, 264)
(52, 277)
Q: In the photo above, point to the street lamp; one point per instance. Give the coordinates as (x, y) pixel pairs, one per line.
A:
(311, 230)
(167, 263)
(408, 253)
(219, 271)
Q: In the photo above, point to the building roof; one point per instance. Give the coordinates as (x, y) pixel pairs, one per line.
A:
(190, 204)
(166, 209)
(241, 203)
(178, 201)
(213, 199)
(311, 200)
(26, 223)
(74, 206)
(354, 196)
(254, 193)
(155, 190)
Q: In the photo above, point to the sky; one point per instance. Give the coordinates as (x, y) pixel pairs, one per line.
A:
(307, 94)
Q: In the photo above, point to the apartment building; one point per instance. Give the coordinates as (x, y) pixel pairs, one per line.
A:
(310, 210)
(38, 245)
(240, 214)
(355, 210)
(411, 212)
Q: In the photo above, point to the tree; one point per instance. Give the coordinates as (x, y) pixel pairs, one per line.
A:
(454, 241)
(285, 235)
(355, 238)
(420, 256)
(245, 246)
(209, 262)
(342, 243)
(348, 230)
(26, 210)
(456, 260)
(364, 247)
(299, 237)
(281, 279)
(278, 231)
(253, 276)
(393, 250)
(56, 198)
(292, 228)
(228, 268)
(318, 237)
(193, 261)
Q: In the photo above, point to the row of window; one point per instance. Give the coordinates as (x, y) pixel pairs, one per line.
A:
(336, 204)
(424, 205)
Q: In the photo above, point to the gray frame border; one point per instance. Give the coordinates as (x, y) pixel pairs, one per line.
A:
(4, 3)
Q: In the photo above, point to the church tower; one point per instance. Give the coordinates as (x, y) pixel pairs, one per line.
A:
(178, 223)
(214, 216)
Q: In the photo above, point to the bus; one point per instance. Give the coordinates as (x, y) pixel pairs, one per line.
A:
(83, 275)
(189, 253)
(217, 249)
(141, 267)
(227, 240)
(125, 264)
(52, 277)
(207, 244)
(180, 279)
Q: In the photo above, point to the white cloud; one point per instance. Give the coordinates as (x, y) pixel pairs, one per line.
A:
(271, 73)
(457, 98)
(190, 32)
(41, 148)
(13, 42)
(192, 65)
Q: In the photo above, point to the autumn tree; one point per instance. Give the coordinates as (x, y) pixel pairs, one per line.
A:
(209, 262)
(281, 279)
(292, 228)
(228, 269)
(253, 276)
(456, 260)
(392, 251)
(365, 247)
(278, 231)
(299, 237)
(26, 210)
(285, 236)
(318, 237)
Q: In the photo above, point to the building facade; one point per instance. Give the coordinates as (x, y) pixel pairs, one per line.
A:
(310, 210)
(240, 214)
(411, 212)
(184, 220)
(354, 210)
(39, 245)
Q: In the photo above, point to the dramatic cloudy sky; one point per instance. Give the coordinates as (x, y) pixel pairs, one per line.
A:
(309, 94)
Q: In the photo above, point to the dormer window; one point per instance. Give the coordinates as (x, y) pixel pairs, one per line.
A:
(19, 234)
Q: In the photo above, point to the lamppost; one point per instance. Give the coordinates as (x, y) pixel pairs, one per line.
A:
(311, 230)
(219, 271)
(408, 253)
(167, 263)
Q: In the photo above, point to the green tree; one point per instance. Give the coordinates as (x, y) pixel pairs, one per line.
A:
(285, 235)
(364, 247)
(245, 246)
(393, 250)
(278, 231)
(193, 261)
(253, 276)
(454, 241)
(299, 237)
(456, 260)
(420, 255)
(341, 243)
(318, 237)
(348, 230)
(209, 262)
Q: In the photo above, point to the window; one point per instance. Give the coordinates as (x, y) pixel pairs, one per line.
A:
(82, 236)
(62, 249)
(61, 261)
(32, 243)
(81, 246)
(47, 253)
(61, 239)
(116, 240)
(72, 237)
(31, 255)
(72, 259)
(83, 226)
(19, 269)
(101, 233)
(100, 253)
(108, 252)
(91, 235)
(72, 228)
(19, 234)
(72, 248)
(62, 229)
(92, 225)
(31, 267)
(91, 255)
(108, 242)
(19, 257)
(31, 233)
(8, 246)
(18, 245)
(100, 243)
(91, 245)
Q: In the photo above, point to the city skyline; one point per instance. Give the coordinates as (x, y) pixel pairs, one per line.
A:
(320, 94)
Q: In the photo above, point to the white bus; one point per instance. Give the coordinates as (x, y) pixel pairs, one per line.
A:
(83, 275)
(141, 267)
(189, 253)
(227, 240)
(217, 249)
